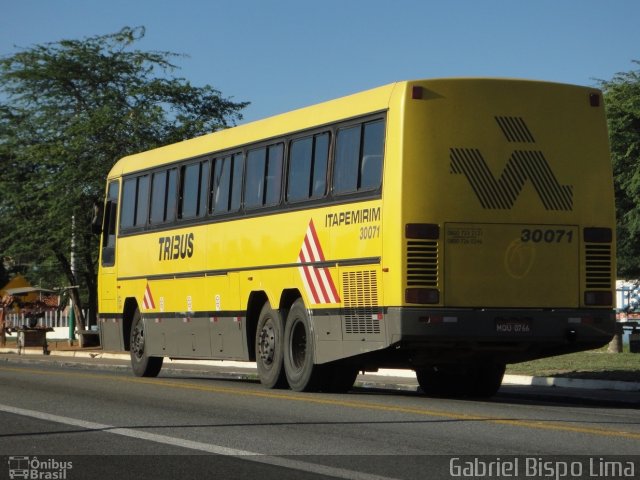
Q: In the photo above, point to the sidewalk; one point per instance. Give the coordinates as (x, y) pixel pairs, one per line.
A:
(383, 378)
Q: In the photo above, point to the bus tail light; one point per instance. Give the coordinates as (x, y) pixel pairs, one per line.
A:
(422, 296)
(598, 235)
(598, 298)
(424, 231)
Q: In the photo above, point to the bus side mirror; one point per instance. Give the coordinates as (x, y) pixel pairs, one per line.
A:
(96, 219)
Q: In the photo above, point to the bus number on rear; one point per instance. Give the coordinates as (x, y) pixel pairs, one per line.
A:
(539, 235)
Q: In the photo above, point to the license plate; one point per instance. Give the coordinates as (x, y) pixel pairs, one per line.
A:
(513, 326)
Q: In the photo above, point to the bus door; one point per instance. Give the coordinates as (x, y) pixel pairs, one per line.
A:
(107, 287)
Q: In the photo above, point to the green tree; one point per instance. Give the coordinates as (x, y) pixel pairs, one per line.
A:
(68, 111)
(622, 98)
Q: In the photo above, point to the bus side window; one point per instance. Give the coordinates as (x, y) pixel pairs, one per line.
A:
(203, 188)
(158, 188)
(254, 180)
(163, 196)
(128, 208)
(345, 174)
(273, 179)
(189, 184)
(372, 151)
(135, 202)
(226, 184)
(358, 158)
(172, 195)
(109, 226)
(236, 182)
(320, 161)
(307, 177)
(264, 176)
(300, 154)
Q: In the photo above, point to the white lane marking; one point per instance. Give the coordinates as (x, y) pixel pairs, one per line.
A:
(200, 446)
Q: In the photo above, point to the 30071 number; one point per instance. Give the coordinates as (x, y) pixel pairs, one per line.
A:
(546, 236)
(367, 233)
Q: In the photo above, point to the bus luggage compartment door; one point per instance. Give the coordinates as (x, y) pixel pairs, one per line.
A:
(512, 265)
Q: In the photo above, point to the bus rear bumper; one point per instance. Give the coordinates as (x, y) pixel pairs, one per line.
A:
(505, 335)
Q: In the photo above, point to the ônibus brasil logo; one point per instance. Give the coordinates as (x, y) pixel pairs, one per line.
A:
(33, 468)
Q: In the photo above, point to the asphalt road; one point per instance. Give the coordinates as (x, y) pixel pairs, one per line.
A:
(187, 423)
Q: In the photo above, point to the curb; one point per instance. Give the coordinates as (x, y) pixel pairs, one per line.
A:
(402, 379)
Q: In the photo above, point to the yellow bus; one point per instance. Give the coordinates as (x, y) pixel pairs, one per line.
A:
(448, 226)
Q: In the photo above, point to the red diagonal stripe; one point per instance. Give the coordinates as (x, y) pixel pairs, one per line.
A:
(316, 242)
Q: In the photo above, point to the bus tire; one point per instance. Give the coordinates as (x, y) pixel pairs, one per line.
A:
(269, 350)
(435, 380)
(480, 380)
(142, 364)
(340, 377)
(302, 374)
(487, 379)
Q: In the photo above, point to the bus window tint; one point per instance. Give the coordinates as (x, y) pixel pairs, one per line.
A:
(308, 168)
(128, 210)
(254, 181)
(203, 190)
(372, 150)
(189, 190)
(158, 189)
(142, 203)
(299, 169)
(226, 184)
(220, 185)
(172, 195)
(273, 180)
(320, 159)
(345, 174)
(236, 182)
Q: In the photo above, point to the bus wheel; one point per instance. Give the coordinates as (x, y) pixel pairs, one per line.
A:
(478, 380)
(486, 379)
(437, 380)
(340, 377)
(302, 374)
(269, 348)
(141, 363)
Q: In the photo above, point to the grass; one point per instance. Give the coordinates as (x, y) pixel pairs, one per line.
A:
(594, 364)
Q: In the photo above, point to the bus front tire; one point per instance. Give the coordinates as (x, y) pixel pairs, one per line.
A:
(142, 364)
(269, 349)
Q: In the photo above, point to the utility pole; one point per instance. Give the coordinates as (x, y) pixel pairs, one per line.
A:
(72, 314)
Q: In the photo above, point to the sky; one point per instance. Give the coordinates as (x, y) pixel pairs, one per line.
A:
(285, 54)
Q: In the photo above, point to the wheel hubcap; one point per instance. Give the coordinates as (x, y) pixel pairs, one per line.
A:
(138, 342)
(267, 343)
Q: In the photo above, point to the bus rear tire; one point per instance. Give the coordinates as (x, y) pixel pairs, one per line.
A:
(481, 380)
(269, 351)
(339, 377)
(142, 364)
(302, 374)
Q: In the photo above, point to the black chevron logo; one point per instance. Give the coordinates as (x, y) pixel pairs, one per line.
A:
(523, 166)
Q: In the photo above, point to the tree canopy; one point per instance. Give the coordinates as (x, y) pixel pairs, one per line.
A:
(68, 111)
(622, 98)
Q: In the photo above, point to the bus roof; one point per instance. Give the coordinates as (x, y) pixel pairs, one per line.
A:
(354, 105)
(343, 108)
